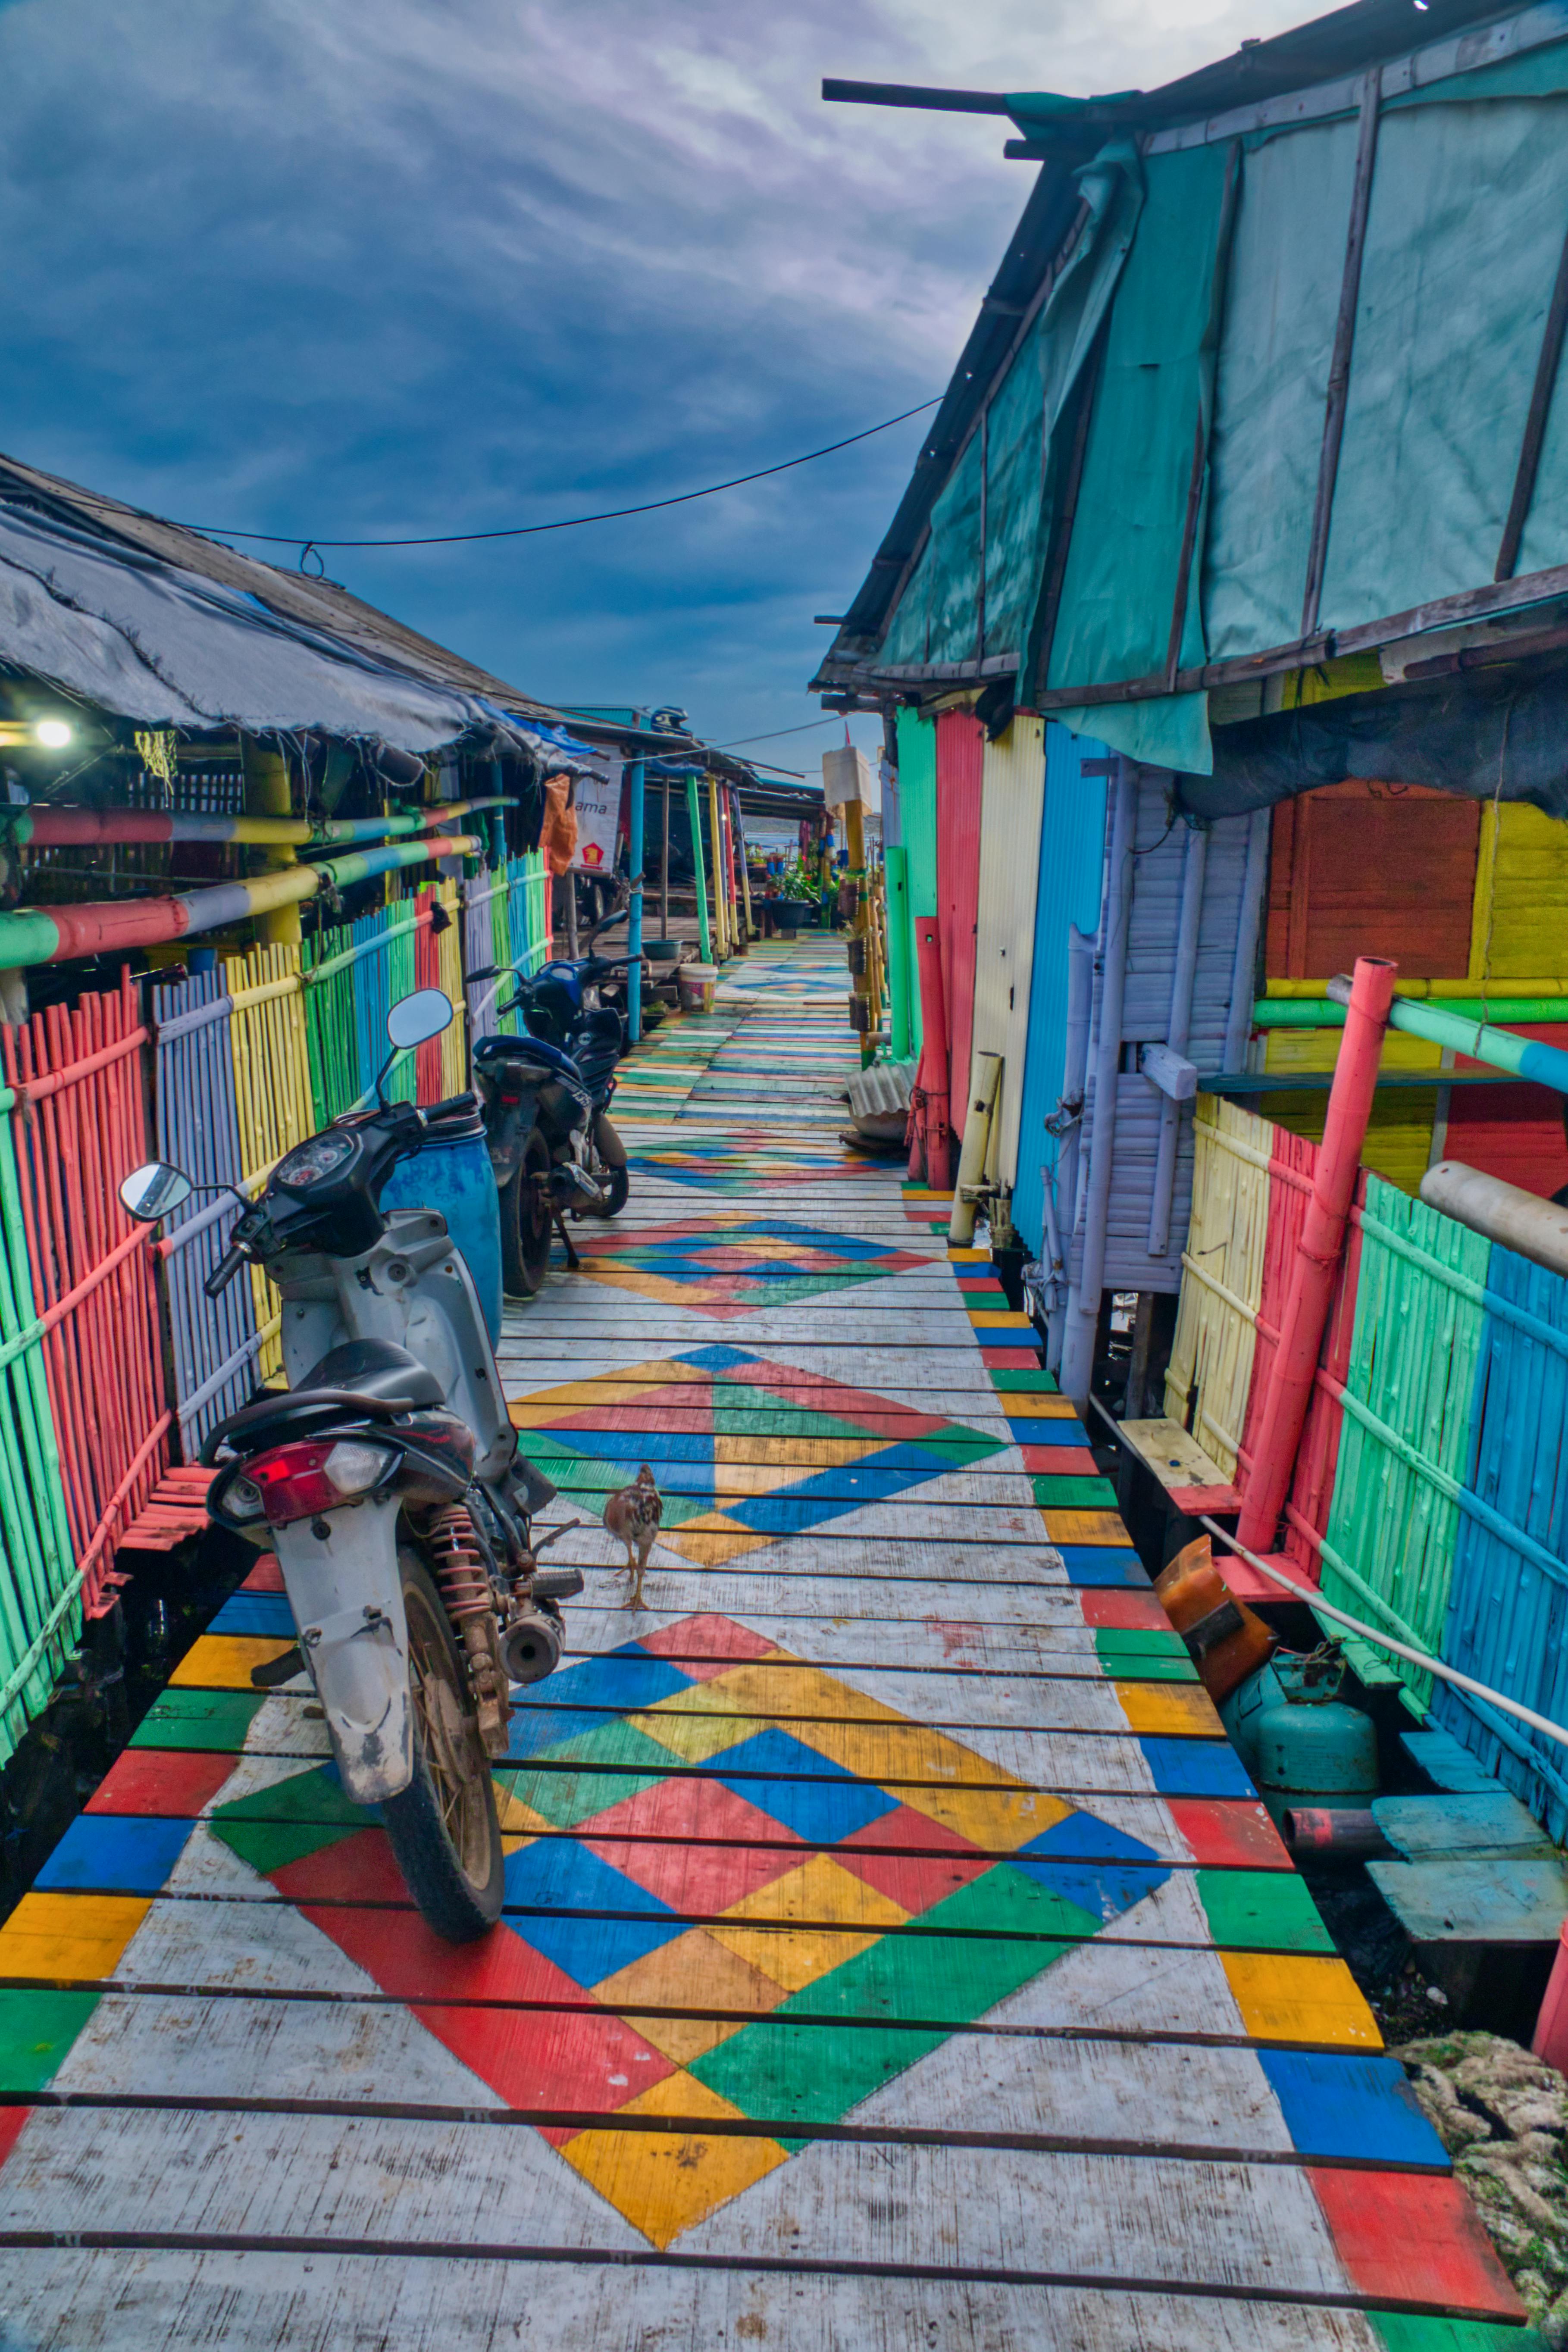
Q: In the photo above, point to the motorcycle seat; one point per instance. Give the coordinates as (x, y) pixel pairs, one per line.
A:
(379, 1369)
(526, 1049)
(363, 1379)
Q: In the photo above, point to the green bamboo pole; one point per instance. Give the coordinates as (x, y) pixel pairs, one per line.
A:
(692, 811)
(1323, 1012)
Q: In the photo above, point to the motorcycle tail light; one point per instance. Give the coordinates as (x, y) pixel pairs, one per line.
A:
(297, 1482)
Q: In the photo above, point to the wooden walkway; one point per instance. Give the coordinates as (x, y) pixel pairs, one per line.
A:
(896, 1956)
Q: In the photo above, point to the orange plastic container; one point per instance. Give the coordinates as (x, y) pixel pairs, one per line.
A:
(1228, 1640)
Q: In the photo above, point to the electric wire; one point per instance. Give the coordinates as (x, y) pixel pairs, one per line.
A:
(309, 546)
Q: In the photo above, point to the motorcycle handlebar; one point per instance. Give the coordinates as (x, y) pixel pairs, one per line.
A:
(450, 1108)
(222, 1274)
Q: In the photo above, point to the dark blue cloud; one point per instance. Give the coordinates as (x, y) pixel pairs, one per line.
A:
(354, 267)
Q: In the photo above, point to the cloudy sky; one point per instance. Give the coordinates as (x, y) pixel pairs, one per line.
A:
(360, 268)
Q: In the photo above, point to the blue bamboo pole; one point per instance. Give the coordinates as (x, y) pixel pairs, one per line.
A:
(635, 776)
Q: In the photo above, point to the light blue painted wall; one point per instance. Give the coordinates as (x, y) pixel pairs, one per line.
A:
(1072, 852)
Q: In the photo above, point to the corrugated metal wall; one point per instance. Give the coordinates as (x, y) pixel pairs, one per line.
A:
(1013, 793)
(960, 752)
(917, 818)
(1070, 878)
(1159, 856)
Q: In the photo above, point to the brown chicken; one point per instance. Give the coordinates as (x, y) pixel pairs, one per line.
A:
(634, 1514)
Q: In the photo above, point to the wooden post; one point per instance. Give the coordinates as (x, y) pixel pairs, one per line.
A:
(1178, 1029)
(1344, 340)
(1307, 1303)
(721, 934)
(664, 869)
(636, 778)
(266, 794)
(1540, 407)
(699, 880)
(745, 877)
(934, 1071)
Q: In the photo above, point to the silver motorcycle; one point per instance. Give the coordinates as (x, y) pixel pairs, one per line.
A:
(388, 1482)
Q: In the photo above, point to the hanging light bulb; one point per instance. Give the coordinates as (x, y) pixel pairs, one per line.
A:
(54, 734)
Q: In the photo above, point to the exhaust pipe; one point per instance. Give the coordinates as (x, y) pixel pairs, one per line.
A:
(530, 1647)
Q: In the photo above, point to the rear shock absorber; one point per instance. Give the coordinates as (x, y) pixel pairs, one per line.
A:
(464, 1583)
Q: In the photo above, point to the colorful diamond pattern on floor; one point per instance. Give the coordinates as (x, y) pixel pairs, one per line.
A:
(691, 1416)
(746, 1168)
(807, 1882)
(725, 1267)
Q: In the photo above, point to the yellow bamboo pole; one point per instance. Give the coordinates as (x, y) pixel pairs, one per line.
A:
(266, 794)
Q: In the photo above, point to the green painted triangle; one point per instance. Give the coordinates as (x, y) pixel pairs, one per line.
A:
(198, 1719)
(568, 1798)
(737, 1412)
(314, 1796)
(619, 1743)
(778, 2069)
(37, 2029)
(269, 1845)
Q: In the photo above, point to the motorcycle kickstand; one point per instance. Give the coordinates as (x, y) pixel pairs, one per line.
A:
(573, 1260)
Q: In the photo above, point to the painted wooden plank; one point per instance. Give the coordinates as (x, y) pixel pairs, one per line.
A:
(1104, 2093)
(265, 2177)
(256, 2302)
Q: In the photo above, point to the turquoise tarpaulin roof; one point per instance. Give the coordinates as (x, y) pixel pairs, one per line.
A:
(1216, 267)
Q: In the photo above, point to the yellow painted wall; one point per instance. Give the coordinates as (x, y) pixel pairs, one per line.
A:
(1520, 926)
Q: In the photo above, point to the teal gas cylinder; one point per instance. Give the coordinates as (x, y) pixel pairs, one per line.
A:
(454, 1176)
(1299, 1741)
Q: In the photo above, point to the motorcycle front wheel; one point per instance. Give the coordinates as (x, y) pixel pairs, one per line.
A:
(525, 1221)
(443, 1827)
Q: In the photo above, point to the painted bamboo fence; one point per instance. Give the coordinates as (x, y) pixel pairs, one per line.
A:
(214, 1342)
(111, 1357)
(1428, 1496)
(81, 1311)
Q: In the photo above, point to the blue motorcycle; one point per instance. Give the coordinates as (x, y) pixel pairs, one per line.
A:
(545, 1099)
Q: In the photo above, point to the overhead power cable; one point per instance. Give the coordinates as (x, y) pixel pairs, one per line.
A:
(810, 727)
(567, 522)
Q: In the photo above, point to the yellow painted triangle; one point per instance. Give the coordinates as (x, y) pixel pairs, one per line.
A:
(713, 1540)
(799, 1454)
(647, 1285)
(608, 1388)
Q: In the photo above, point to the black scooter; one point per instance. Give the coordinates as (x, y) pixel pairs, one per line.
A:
(545, 1100)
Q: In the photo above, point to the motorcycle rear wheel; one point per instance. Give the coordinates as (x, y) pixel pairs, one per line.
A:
(525, 1221)
(443, 1827)
(616, 1182)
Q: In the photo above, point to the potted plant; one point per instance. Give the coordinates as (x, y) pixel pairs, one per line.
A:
(797, 903)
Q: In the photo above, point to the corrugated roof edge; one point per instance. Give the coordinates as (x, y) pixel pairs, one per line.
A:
(318, 604)
(1367, 32)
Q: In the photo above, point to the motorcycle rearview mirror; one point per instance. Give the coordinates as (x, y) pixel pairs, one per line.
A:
(412, 1020)
(150, 1192)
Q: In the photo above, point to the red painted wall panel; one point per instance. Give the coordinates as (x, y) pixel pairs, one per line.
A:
(1372, 869)
(960, 756)
(1514, 1132)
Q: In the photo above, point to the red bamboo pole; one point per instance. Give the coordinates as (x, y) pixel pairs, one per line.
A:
(932, 1078)
(1310, 1294)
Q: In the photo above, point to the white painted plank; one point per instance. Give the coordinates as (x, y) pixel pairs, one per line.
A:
(1151, 2218)
(120, 2301)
